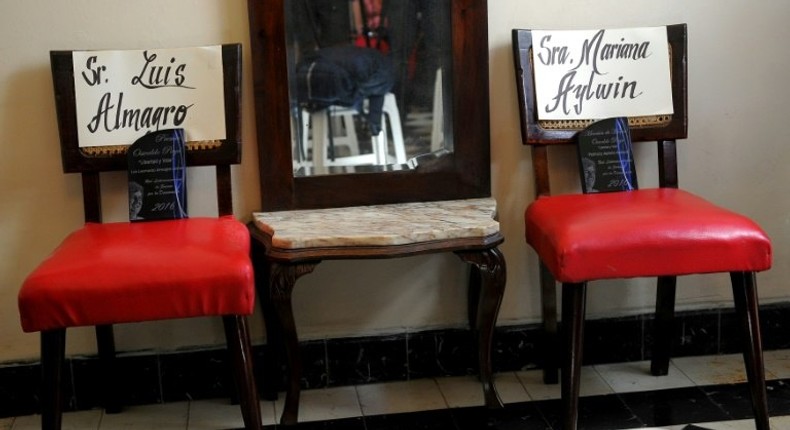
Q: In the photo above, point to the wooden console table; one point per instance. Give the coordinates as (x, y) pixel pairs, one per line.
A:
(289, 244)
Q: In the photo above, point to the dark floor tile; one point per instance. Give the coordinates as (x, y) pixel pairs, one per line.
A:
(367, 360)
(516, 416)
(136, 380)
(87, 383)
(357, 423)
(196, 375)
(19, 390)
(315, 370)
(270, 371)
(456, 353)
(674, 406)
(139, 379)
(734, 399)
(693, 333)
(441, 353)
(774, 322)
(426, 420)
(516, 348)
(595, 413)
(730, 341)
(778, 397)
(698, 334)
(613, 340)
(341, 424)
(421, 352)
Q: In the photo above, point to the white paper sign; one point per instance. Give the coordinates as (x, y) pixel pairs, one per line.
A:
(122, 95)
(595, 74)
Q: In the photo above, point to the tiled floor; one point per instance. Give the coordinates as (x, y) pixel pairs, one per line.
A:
(705, 391)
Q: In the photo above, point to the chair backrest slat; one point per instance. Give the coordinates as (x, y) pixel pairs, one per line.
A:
(91, 196)
(224, 194)
(540, 166)
(667, 164)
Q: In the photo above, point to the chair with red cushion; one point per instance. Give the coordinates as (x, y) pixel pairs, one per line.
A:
(122, 272)
(659, 232)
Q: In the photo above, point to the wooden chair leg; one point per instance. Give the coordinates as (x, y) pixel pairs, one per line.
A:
(664, 324)
(573, 310)
(53, 351)
(271, 380)
(105, 342)
(281, 284)
(490, 265)
(746, 305)
(238, 339)
(548, 300)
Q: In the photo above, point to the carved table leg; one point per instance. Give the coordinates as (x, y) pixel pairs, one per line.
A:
(473, 294)
(490, 267)
(283, 276)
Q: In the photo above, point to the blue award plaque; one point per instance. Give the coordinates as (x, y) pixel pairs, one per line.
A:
(606, 160)
(157, 176)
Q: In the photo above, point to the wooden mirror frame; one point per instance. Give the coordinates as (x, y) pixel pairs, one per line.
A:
(465, 173)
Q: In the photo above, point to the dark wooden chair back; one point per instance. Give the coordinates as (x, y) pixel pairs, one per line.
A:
(664, 129)
(90, 161)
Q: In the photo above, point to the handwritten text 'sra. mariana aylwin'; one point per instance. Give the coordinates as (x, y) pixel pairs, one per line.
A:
(602, 73)
(124, 94)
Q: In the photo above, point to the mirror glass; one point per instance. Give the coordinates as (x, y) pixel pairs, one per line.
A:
(369, 84)
(459, 169)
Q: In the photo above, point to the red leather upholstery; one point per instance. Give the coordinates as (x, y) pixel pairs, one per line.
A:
(650, 232)
(126, 272)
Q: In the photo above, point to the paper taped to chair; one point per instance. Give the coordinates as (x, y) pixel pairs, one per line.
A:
(593, 74)
(122, 95)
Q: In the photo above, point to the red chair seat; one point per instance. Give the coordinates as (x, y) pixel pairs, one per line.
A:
(650, 232)
(128, 272)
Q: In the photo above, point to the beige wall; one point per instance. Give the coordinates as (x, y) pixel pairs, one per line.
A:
(736, 155)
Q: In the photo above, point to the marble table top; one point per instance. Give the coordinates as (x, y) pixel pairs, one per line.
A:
(380, 225)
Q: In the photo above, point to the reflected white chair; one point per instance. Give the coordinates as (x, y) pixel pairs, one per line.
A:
(315, 135)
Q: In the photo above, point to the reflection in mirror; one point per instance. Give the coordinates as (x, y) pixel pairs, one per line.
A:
(369, 84)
